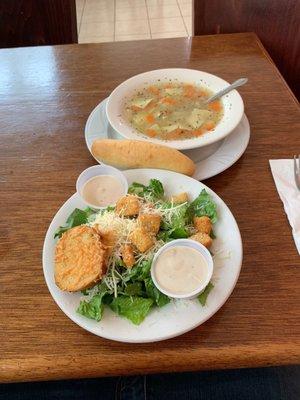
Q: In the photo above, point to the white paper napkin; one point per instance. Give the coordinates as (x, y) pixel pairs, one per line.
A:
(283, 174)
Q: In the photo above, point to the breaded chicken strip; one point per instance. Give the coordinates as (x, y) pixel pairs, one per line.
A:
(80, 259)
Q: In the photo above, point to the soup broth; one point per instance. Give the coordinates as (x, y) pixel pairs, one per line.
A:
(173, 111)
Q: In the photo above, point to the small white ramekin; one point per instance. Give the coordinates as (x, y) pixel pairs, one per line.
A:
(194, 245)
(97, 170)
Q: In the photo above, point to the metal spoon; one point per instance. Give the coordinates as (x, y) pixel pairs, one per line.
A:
(229, 88)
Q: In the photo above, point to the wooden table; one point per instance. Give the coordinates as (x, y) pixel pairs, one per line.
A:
(47, 94)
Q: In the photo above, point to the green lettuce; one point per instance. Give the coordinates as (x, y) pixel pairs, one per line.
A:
(140, 272)
(93, 308)
(152, 291)
(175, 226)
(203, 296)
(154, 191)
(134, 289)
(76, 218)
(203, 205)
(133, 308)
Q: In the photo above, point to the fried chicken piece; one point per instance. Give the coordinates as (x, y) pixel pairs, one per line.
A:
(179, 198)
(128, 255)
(149, 222)
(80, 259)
(141, 239)
(128, 206)
(202, 238)
(203, 224)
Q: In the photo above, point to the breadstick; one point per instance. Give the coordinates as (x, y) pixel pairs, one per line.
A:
(140, 154)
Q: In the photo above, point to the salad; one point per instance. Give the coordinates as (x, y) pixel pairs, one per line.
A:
(130, 234)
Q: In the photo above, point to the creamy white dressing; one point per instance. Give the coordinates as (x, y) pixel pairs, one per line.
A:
(181, 270)
(102, 190)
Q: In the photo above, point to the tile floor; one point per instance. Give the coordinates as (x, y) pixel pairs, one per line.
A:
(117, 20)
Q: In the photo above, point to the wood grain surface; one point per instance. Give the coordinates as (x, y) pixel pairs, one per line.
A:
(37, 22)
(45, 101)
(276, 23)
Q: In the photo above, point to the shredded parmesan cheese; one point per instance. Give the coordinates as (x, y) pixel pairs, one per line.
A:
(122, 228)
(111, 224)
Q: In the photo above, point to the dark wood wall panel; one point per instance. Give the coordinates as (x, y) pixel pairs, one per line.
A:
(276, 22)
(37, 22)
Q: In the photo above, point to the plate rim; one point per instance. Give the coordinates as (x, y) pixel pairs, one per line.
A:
(158, 338)
(239, 154)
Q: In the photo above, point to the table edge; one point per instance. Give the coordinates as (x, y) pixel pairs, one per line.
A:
(242, 356)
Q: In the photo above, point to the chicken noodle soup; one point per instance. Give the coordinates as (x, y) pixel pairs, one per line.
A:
(173, 111)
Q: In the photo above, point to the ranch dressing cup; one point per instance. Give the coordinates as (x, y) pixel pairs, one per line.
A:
(182, 269)
(101, 186)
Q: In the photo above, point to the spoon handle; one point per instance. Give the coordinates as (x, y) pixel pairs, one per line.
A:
(229, 88)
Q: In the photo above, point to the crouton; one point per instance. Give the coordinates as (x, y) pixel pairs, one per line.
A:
(128, 255)
(141, 239)
(128, 206)
(149, 222)
(179, 198)
(202, 238)
(203, 224)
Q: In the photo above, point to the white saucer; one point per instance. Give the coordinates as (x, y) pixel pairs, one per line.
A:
(210, 160)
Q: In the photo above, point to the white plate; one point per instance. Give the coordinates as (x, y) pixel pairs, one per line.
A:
(233, 105)
(177, 317)
(210, 160)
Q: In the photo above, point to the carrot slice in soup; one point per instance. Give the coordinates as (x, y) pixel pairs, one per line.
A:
(150, 118)
(168, 100)
(151, 132)
(197, 132)
(153, 90)
(150, 106)
(208, 126)
(215, 106)
(189, 91)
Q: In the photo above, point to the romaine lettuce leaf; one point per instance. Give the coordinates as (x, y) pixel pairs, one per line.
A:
(175, 224)
(152, 291)
(133, 308)
(137, 188)
(203, 296)
(134, 289)
(76, 218)
(140, 271)
(179, 233)
(93, 308)
(203, 205)
(154, 191)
